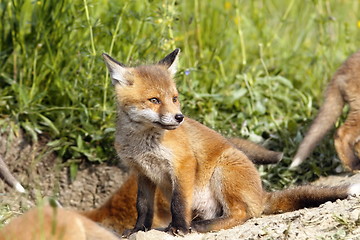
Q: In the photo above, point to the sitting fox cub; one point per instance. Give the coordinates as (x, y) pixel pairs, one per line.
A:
(209, 183)
(343, 88)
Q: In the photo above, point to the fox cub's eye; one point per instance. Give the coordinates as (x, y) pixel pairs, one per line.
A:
(175, 99)
(155, 100)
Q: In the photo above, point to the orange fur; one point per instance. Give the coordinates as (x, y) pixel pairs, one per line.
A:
(119, 211)
(53, 224)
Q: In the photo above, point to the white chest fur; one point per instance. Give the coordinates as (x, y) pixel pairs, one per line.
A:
(205, 204)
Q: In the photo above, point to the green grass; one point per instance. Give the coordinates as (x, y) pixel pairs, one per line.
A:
(255, 69)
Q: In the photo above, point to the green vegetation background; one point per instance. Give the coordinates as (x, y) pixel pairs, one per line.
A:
(255, 69)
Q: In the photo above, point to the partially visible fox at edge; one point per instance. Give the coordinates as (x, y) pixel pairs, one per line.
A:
(53, 223)
(344, 88)
(209, 183)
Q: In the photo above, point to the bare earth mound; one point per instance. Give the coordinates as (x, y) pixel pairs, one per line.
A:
(41, 173)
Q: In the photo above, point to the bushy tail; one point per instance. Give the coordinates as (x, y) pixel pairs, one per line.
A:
(324, 121)
(119, 211)
(305, 196)
(6, 175)
(256, 153)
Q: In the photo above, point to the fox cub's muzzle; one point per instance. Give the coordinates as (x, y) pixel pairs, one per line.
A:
(170, 122)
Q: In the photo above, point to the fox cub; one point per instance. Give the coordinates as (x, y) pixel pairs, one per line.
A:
(209, 183)
(53, 224)
(119, 211)
(343, 88)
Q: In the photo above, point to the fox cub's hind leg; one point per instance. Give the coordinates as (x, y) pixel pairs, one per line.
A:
(237, 188)
(347, 140)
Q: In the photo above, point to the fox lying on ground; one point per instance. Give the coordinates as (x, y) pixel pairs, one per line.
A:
(209, 183)
(54, 224)
(343, 88)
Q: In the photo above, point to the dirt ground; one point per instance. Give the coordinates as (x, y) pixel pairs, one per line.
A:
(42, 175)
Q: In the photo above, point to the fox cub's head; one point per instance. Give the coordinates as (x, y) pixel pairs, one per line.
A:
(148, 94)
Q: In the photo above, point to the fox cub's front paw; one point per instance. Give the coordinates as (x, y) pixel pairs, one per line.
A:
(177, 230)
(128, 232)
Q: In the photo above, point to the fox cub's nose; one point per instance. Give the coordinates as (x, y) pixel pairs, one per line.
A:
(179, 118)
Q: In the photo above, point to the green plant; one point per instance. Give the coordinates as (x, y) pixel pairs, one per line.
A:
(253, 69)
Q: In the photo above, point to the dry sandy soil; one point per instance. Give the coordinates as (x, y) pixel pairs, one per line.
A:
(41, 173)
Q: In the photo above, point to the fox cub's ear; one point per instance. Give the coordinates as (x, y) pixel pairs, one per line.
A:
(171, 61)
(117, 70)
